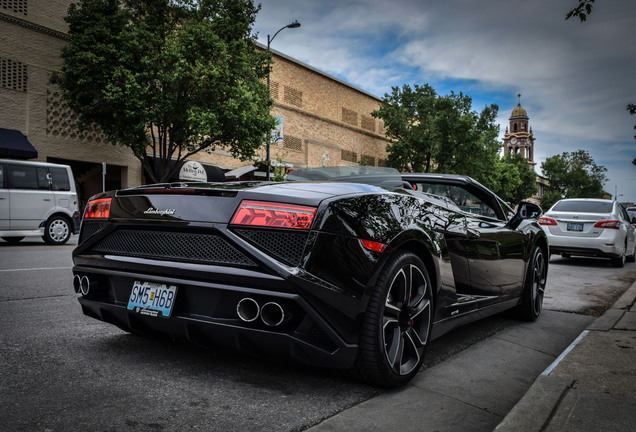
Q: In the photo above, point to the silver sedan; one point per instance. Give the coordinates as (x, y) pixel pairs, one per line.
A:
(590, 227)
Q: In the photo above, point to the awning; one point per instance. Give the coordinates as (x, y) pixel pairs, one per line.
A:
(15, 145)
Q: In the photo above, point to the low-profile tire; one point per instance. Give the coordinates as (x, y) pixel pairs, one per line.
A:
(397, 323)
(13, 240)
(632, 257)
(533, 288)
(57, 230)
(619, 261)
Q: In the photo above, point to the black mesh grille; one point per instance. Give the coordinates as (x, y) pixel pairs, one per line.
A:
(89, 228)
(173, 246)
(283, 245)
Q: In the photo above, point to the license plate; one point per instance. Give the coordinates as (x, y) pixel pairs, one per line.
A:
(575, 227)
(152, 299)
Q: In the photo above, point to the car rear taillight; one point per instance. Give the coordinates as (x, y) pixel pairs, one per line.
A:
(274, 215)
(543, 220)
(610, 224)
(97, 209)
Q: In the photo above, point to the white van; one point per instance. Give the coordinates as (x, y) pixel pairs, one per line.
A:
(37, 199)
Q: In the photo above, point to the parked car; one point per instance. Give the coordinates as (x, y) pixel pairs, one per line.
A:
(345, 267)
(631, 212)
(590, 227)
(37, 199)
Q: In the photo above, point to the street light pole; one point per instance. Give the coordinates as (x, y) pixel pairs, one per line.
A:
(295, 24)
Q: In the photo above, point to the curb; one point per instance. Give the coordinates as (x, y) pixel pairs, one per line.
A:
(539, 405)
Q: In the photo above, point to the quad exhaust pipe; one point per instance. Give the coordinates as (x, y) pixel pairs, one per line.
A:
(82, 284)
(271, 314)
(247, 309)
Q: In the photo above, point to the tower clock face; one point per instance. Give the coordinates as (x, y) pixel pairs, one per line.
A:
(513, 140)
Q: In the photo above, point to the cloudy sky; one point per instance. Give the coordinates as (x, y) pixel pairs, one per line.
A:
(575, 78)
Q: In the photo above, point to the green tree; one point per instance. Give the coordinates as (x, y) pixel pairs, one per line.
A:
(513, 179)
(432, 133)
(573, 175)
(168, 78)
(408, 116)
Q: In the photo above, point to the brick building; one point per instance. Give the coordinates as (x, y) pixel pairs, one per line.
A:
(325, 121)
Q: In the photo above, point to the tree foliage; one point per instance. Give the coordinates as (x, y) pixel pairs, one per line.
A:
(168, 78)
(583, 9)
(513, 179)
(432, 133)
(573, 175)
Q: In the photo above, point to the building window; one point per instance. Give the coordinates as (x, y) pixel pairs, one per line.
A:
(62, 121)
(367, 123)
(273, 90)
(13, 75)
(349, 156)
(349, 117)
(367, 160)
(17, 6)
(293, 96)
(292, 143)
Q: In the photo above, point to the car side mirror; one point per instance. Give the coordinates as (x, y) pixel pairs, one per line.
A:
(525, 210)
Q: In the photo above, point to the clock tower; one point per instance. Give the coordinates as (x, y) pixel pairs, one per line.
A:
(518, 137)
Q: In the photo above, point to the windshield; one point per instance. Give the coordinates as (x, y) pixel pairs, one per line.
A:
(388, 178)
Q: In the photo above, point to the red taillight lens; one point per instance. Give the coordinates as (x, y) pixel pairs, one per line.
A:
(274, 215)
(610, 224)
(97, 209)
(543, 220)
(373, 246)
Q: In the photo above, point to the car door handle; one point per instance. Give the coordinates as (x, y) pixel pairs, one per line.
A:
(47, 199)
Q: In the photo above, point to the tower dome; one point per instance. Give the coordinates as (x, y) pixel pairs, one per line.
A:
(519, 111)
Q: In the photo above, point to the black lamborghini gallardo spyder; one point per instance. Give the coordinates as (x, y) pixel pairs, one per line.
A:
(354, 268)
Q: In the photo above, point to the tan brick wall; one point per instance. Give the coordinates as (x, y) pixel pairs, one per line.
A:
(46, 13)
(32, 110)
(325, 117)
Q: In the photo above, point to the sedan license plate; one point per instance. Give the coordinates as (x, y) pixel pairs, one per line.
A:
(575, 227)
(152, 299)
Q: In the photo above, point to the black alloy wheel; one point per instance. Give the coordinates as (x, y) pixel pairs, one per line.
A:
(534, 288)
(397, 324)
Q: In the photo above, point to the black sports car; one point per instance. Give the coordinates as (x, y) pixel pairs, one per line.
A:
(354, 268)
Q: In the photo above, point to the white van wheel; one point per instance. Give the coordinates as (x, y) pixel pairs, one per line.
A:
(57, 231)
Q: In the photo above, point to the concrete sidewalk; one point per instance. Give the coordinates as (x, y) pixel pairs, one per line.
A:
(473, 390)
(592, 385)
(520, 380)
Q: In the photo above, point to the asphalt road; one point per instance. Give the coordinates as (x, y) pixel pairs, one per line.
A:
(62, 371)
